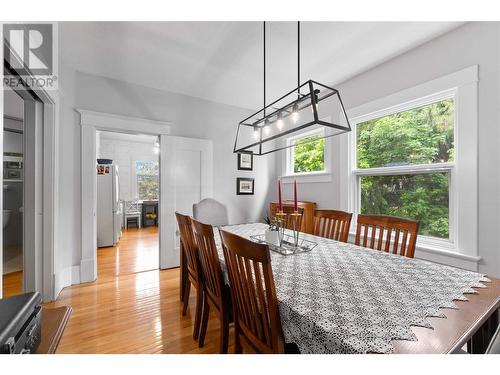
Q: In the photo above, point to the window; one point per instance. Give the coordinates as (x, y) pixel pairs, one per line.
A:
(414, 154)
(147, 180)
(404, 165)
(419, 136)
(307, 154)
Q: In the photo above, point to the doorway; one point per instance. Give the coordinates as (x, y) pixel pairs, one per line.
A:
(13, 193)
(128, 192)
(172, 184)
(31, 187)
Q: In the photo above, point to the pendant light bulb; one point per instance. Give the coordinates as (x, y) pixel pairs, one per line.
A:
(267, 127)
(295, 113)
(279, 123)
(256, 132)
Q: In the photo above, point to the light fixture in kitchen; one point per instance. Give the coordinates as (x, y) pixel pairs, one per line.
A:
(311, 105)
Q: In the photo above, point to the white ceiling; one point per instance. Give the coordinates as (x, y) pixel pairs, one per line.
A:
(222, 61)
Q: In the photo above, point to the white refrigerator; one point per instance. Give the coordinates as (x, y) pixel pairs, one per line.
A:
(109, 212)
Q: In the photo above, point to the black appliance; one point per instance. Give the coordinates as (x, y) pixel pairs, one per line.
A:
(20, 323)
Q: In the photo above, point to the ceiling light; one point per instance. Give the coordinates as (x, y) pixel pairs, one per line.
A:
(292, 113)
(279, 122)
(295, 113)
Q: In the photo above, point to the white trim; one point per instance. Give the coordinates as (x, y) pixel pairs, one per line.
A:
(125, 124)
(448, 82)
(309, 177)
(440, 254)
(65, 277)
(91, 122)
(462, 86)
(404, 169)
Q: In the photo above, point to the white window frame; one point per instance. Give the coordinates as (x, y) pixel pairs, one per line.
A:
(449, 167)
(288, 174)
(463, 209)
(137, 176)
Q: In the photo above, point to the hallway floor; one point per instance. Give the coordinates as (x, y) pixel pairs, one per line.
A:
(136, 251)
(130, 309)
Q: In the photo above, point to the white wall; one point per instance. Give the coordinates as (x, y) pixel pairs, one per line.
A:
(125, 154)
(190, 117)
(474, 43)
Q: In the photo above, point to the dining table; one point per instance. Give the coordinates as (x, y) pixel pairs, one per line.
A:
(346, 299)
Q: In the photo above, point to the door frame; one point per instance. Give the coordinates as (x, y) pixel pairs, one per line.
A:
(91, 122)
(38, 262)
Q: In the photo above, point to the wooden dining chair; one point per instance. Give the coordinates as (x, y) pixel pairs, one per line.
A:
(216, 292)
(375, 232)
(256, 315)
(193, 269)
(288, 219)
(332, 224)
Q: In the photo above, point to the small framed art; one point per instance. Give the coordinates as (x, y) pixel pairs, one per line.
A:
(245, 161)
(244, 186)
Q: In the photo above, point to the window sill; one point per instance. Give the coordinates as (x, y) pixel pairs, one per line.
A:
(307, 177)
(442, 252)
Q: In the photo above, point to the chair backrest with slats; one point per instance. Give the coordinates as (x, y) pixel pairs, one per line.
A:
(132, 207)
(288, 219)
(387, 233)
(332, 224)
(209, 262)
(253, 291)
(188, 245)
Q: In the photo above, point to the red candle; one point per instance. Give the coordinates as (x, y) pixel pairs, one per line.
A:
(280, 204)
(295, 203)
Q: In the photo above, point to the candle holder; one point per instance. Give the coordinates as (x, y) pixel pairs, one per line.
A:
(295, 227)
(281, 228)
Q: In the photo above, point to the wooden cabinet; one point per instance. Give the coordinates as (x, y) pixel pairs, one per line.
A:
(307, 219)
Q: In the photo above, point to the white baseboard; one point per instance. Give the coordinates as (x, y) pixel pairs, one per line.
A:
(75, 275)
(88, 270)
(66, 277)
(62, 279)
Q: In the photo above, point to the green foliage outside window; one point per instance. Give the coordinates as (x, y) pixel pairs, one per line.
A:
(148, 184)
(309, 154)
(420, 136)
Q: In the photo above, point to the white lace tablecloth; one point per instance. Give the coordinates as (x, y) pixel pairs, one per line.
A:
(340, 298)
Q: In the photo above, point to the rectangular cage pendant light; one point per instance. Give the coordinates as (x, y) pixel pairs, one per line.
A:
(308, 107)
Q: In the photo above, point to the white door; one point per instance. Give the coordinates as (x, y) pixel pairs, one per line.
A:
(186, 178)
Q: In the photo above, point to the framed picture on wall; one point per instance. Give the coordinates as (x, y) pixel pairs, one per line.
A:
(244, 186)
(245, 161)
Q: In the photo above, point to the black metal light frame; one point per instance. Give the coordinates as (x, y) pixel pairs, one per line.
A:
(306, 96)
(312, 99)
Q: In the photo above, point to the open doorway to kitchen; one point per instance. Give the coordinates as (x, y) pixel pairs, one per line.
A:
(127, 212)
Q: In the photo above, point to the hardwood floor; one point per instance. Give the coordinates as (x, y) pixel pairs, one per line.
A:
(12, 284)
(137, 251)
(127, 312)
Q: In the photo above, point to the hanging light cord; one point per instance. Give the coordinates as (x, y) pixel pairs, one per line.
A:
(298, 58)
(264, 68)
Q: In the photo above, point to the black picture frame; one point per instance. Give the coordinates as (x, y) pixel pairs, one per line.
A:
(240, 191)
(241, 162)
